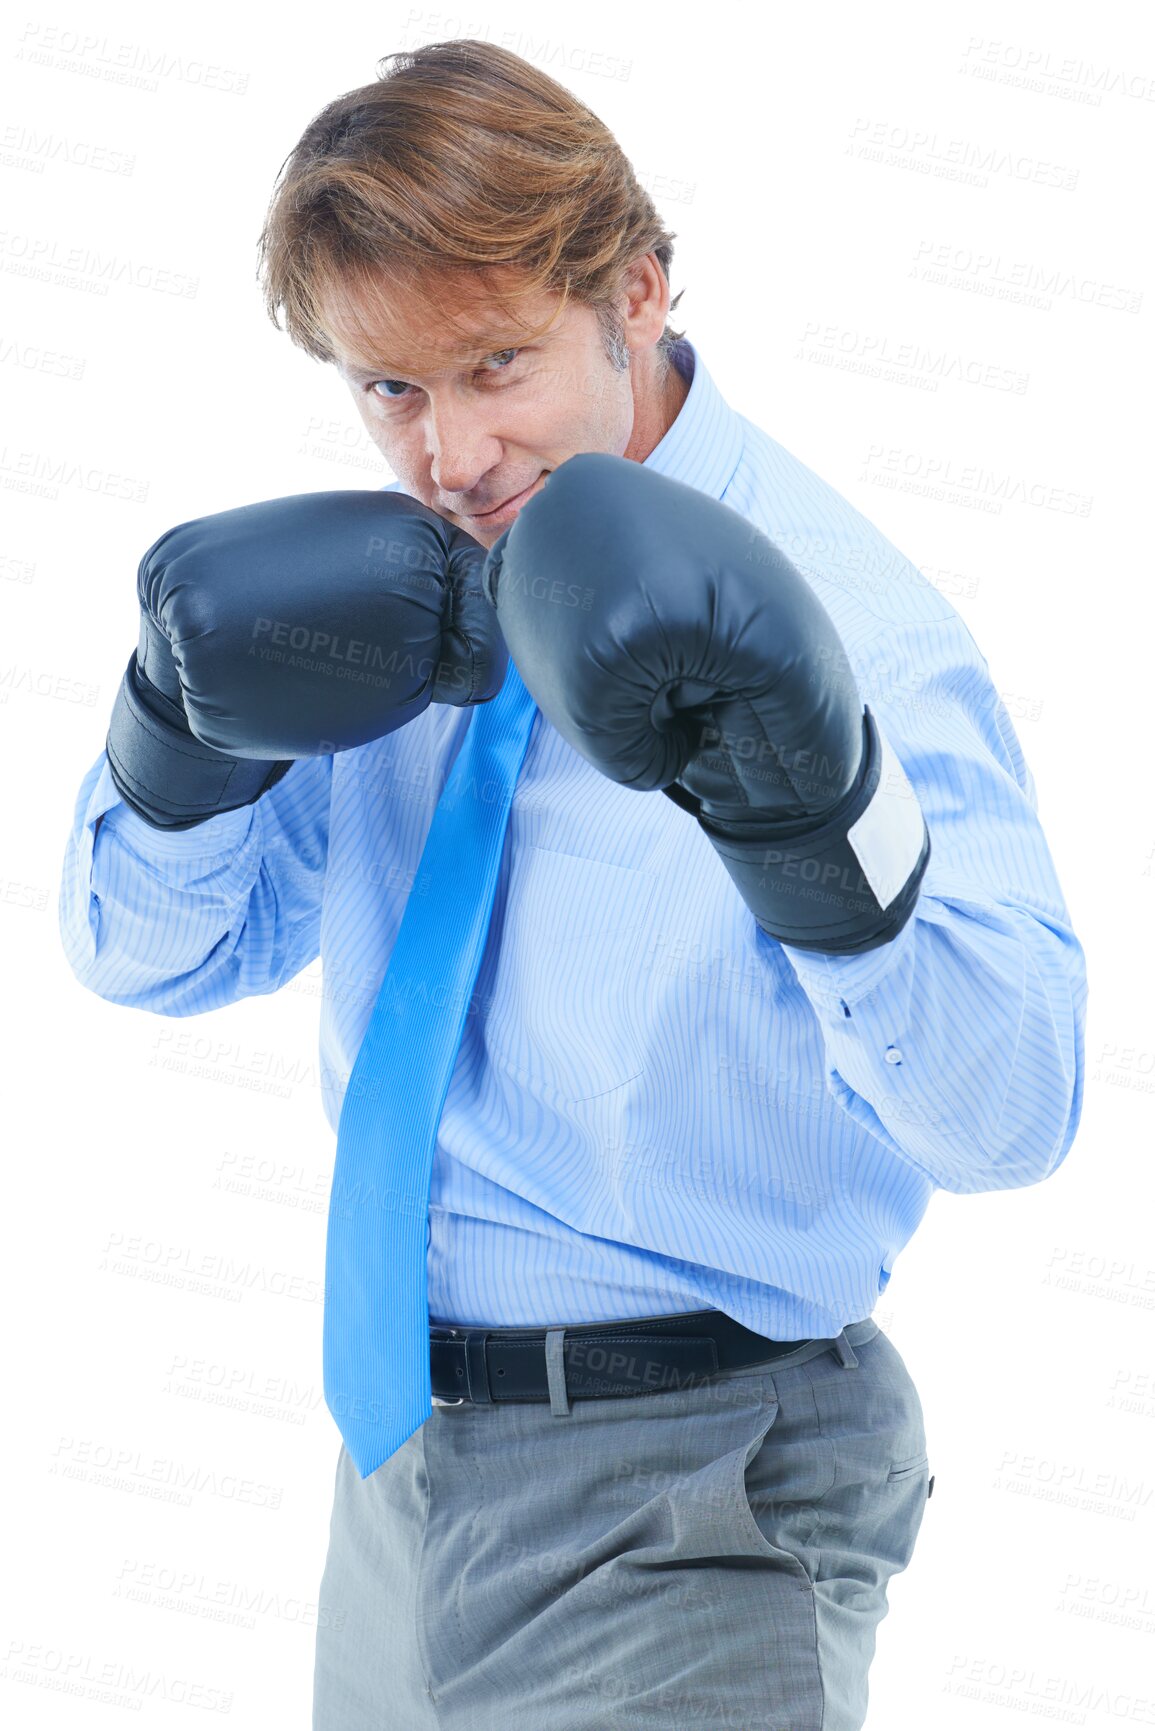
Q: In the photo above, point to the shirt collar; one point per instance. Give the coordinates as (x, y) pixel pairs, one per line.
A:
(703, 447)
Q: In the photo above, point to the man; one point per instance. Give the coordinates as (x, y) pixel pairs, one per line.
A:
(660, 1115)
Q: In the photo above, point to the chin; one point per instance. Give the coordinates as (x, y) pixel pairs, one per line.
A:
(483, 537)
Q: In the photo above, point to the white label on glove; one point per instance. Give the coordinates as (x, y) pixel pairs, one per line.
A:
(888, 837)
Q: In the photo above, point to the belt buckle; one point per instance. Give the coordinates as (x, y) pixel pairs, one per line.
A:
(437, 1399)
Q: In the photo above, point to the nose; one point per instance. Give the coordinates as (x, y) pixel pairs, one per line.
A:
(461, 449)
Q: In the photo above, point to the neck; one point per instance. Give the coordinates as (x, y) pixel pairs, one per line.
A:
(656, 408)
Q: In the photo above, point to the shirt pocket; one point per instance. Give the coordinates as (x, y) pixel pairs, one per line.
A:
(567, 999)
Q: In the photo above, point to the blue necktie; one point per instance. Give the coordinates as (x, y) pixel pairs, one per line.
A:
(376, 1323)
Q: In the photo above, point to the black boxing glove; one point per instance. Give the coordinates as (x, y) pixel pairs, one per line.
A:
(702, 663)
(293, 628)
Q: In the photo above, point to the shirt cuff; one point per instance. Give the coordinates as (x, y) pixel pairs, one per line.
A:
(838, 985)
(221, 834)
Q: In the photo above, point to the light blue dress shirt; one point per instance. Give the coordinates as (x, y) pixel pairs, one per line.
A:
(655, 1106)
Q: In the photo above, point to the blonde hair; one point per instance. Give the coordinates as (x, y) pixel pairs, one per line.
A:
(460, 161)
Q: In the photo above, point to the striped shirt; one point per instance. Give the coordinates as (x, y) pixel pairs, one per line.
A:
(656, 1107)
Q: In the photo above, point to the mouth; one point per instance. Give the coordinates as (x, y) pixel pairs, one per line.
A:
(503, 514)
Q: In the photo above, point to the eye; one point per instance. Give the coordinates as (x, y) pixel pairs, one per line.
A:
(380, 386)
(389, 398)
(500, 352)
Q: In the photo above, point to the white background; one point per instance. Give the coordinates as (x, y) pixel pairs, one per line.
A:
(803, 155)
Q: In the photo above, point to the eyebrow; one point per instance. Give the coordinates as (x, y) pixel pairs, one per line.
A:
(493, 346)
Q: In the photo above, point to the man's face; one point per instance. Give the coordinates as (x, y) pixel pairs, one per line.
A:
(471, 420)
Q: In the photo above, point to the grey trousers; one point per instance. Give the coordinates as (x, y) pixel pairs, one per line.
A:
(711, 1556)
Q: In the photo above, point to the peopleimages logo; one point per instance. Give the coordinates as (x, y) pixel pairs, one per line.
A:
(878, 355)
(48, 259)
(961, 159)
(116, 62)
(951, 266)
(991, 488)
(27, 148)
(1037, 68)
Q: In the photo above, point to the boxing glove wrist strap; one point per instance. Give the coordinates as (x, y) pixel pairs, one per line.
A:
(164, 772)
(845, 887)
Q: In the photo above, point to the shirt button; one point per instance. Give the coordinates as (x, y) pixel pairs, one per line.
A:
(893, 1055)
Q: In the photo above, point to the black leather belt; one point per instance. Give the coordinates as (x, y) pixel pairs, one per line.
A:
(485, 1365)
